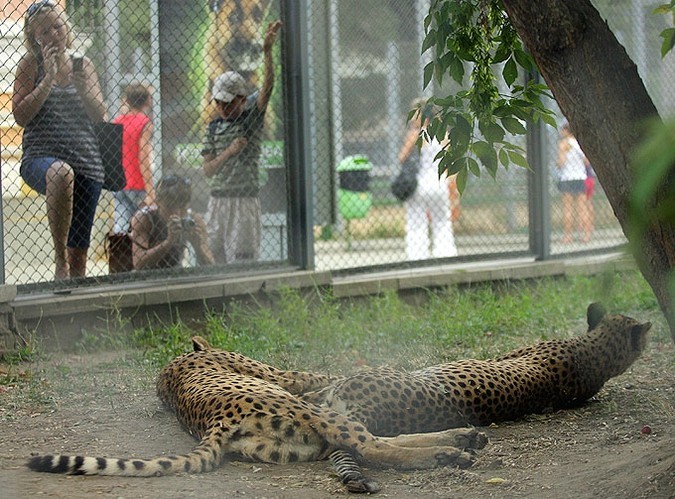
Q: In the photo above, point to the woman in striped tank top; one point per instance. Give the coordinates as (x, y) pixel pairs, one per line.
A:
(57, 102)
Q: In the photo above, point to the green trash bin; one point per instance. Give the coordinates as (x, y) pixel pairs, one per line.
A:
(353, 196)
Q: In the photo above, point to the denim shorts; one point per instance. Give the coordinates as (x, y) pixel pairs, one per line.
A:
(85, 198)
(572, 186)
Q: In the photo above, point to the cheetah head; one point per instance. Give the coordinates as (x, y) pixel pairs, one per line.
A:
(623, 338)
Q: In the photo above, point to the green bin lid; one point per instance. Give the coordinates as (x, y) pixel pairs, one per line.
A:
(358, 162)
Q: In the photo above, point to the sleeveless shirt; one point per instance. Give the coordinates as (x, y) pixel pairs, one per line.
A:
(133, 125)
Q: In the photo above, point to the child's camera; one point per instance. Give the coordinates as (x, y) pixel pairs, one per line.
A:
(188, 223)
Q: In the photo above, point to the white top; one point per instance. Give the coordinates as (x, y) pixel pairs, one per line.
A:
(428, 172)
(574, 165)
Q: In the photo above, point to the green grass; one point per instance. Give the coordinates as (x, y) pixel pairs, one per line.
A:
(334, 335)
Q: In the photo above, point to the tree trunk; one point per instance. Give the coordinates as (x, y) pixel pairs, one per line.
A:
(599, 91)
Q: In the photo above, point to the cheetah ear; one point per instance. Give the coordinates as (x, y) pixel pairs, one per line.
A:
(199, 344)
(594, 315)
(637, 333)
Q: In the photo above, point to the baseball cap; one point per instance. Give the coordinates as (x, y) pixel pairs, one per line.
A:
(228, 85)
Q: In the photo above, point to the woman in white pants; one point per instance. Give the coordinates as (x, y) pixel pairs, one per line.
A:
(429, 207)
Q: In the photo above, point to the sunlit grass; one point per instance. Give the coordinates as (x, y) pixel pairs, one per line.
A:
(323, 333)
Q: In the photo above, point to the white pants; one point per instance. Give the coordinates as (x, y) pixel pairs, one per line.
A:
(234, 228)
(428, 210)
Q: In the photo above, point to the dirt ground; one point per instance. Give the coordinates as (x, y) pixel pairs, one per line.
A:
(104, 404)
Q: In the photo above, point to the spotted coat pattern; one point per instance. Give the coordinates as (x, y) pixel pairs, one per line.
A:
(236, 406)
(554, 374)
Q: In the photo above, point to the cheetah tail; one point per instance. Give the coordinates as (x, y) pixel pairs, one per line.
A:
(350, 473)
(204, 457)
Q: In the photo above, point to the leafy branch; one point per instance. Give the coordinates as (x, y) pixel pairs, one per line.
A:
(667, 34)
(477, 34)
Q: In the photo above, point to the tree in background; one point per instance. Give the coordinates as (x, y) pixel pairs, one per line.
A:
(595, 84)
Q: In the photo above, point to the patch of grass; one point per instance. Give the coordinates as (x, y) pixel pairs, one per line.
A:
(479, 321)
(24, 354)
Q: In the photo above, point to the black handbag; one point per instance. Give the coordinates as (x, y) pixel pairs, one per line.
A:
(109, 136)
(405, 183)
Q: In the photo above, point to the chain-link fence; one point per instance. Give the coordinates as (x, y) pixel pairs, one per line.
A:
(287, 161)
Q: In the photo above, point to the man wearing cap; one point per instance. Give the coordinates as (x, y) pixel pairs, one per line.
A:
(231, 153)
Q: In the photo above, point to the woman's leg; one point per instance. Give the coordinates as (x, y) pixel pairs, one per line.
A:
(568, 216)
(416, 229)
(77, 260)
(584, 221)
(86, 193)
(60, 181)
(443, 244)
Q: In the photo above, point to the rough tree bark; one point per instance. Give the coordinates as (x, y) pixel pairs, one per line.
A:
(599, 91)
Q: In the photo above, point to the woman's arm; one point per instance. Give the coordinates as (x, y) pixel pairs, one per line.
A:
(563, 147)
(87, 84)
(409, 142)
(28, 99)
(143, 255)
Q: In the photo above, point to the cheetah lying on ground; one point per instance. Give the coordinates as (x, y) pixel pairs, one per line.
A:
(554, 374)
(238, 406)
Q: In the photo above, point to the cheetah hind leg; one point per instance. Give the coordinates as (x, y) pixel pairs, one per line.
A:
(350, 473)
(463, 438)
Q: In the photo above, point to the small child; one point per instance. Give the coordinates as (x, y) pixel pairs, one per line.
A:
(136, 156)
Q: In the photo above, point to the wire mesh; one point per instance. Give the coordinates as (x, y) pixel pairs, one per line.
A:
(364, 68)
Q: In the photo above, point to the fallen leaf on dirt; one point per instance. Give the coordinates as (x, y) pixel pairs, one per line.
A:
(495, 481)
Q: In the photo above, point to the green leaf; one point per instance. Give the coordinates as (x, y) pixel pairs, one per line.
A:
(504, 158)
(487, 155)
(473, 166)
(494, 133)
(428, 73)
(524, 59)
(549, 120)
(514, 126)
(465, 128)
(457, 70)
(668, 36)
(501, 54)
(662, 9)
(454, 167)
(518, 159)
(461, 180)
(510, 71)
(429, 40)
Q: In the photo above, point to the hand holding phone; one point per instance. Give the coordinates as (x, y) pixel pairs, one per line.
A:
(77, 63)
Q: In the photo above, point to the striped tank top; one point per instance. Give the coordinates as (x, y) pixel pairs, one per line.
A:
(62, 129)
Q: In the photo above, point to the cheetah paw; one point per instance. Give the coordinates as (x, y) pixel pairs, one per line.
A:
(461, 459)
(471, 438)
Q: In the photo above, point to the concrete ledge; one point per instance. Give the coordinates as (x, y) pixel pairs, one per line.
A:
(59, 322)
(463, 273)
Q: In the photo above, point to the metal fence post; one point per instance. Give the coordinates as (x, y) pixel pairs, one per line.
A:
(539, 207)
(298, 150)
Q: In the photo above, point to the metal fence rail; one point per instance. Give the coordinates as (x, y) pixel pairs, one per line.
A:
(346, 72)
